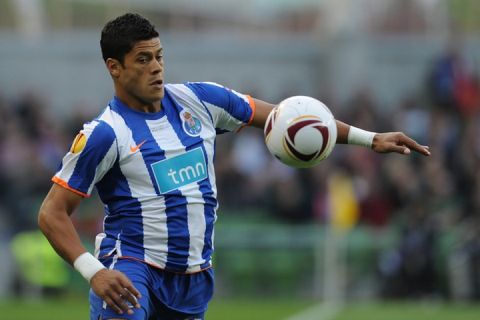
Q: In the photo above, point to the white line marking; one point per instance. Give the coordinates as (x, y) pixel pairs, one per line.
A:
(323, 311)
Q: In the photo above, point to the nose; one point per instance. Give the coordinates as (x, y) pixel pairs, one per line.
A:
(157, 66)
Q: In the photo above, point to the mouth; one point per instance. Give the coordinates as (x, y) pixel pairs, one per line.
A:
(157, 83)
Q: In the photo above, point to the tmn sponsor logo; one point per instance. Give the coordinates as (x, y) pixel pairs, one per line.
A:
(176, 172)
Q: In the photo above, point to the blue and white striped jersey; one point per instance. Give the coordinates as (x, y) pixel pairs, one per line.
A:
(154, 173)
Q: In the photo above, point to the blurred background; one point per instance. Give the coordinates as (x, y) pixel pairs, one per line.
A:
(380, 234)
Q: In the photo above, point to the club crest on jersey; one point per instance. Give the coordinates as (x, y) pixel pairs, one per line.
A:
(191, 125)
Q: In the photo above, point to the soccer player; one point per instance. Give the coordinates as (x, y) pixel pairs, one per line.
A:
(150, 155)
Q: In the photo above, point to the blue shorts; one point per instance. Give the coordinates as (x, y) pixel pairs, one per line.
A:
(165, 295)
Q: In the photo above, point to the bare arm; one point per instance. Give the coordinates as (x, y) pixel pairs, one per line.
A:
(54, 221)
(385, 142)
(382, 142)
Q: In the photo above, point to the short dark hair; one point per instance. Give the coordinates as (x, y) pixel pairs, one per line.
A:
(120, 35)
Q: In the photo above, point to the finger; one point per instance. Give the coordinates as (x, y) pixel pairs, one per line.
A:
(130, 297)
(112, 304)
(412, 144)
(127, 285)
(420, 149)
(120, 302)
(399, 149)
(130, 292)
(121, 296)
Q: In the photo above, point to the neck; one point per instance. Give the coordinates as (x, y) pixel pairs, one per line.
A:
(138, 104)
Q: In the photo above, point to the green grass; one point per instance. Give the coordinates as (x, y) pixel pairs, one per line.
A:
(43, 310)
(416, 311)
(265, 309)
(259, 309)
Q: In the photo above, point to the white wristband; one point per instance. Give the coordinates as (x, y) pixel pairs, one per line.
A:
(87, 265)
(360, 137)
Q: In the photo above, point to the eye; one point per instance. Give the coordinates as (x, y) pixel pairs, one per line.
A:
(159, 57)
(142, 60)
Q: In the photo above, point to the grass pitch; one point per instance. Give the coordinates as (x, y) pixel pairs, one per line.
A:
(77, 309)
(265, 309)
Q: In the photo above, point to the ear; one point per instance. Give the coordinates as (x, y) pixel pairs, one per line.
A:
(114, 67)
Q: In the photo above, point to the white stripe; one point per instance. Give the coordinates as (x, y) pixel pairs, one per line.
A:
(223, 119)
(118, 247)
(196, 228)
(98, 242)
(104, 166)
(69, 163)
(323, 311)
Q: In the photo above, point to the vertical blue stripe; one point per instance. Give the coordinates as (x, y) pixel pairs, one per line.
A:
(122, 214)
(178, 235)
(209, 212)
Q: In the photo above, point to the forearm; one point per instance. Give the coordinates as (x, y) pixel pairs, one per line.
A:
(342, 132)
(60, 232)
(353, 135)
(262, 110)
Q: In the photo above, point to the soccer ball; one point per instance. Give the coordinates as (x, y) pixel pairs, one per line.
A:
(300, 131)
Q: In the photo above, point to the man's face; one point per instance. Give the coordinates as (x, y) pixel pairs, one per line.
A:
(141, 76)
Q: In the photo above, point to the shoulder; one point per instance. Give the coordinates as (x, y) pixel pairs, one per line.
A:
(192, 94)
(207, 89)
(197, 89)
(216, 94)
(192, 88)
(99, 130)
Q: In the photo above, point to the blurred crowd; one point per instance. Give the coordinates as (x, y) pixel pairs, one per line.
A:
(425, 198)
(432, 202)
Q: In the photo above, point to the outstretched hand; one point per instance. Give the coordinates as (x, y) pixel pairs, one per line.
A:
(397, 142)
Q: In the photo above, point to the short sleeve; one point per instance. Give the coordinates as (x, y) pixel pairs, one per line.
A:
(229, 109)
(92, 154)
